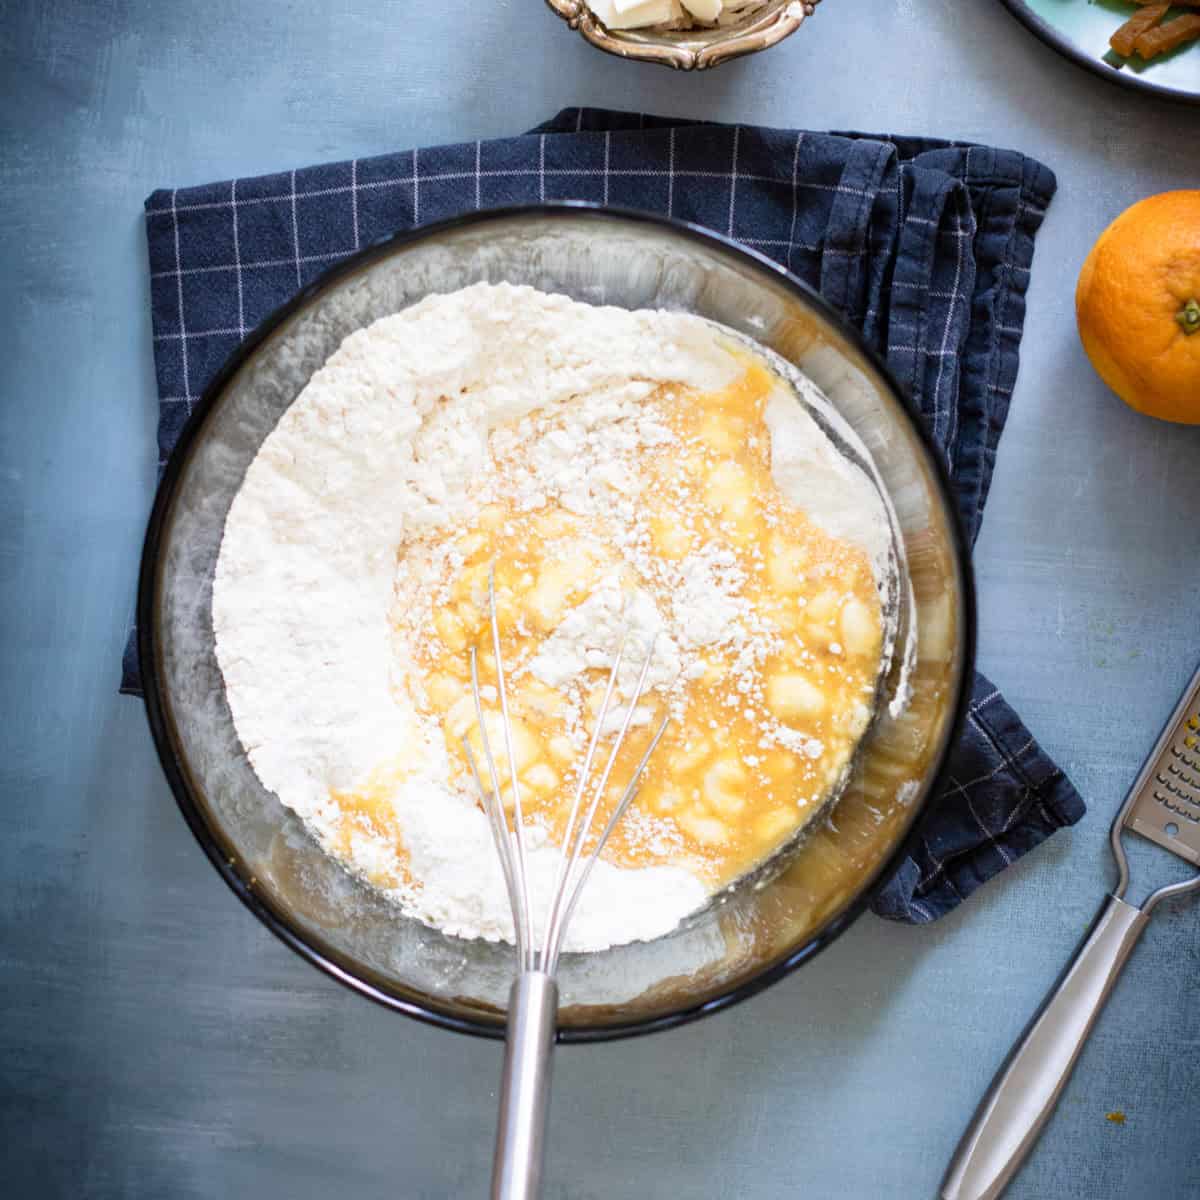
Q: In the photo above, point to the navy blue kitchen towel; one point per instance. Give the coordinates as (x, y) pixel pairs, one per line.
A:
(924, 245)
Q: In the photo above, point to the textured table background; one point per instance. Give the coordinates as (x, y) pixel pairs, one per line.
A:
(155, 1041)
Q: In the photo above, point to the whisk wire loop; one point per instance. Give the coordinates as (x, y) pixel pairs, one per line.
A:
(573, 867)
(518, 815)
(560, 911)
(581, 788)
(533, 1001)
(550, 961)
(494, 808)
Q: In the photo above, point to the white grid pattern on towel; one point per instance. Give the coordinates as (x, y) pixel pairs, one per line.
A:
(518, 173)
(187, 387)
(237, 260)
(942, 402)
(945, 305)
(296, 235)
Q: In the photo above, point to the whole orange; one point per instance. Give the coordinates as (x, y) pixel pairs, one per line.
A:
(1138, 306)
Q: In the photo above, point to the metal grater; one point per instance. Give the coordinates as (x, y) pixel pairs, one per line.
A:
(1164, 802)
(1164, 806)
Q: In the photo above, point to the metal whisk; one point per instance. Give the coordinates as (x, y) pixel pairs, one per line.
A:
(533, 1001)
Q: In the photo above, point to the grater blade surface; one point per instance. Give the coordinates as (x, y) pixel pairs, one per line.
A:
(1166, 794)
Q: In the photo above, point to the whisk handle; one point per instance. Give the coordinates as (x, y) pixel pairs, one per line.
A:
(1026, 1089)
(525, 1088)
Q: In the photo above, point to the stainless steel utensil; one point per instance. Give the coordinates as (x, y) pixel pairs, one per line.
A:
(533, 1001)
(1164, 806)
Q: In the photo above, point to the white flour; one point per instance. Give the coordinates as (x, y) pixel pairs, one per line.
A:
(397, 435)
(589, 635)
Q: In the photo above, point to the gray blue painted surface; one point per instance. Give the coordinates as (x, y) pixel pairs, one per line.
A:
(156, 1041)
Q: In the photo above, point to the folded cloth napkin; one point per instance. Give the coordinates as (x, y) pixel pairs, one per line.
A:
(925, 245)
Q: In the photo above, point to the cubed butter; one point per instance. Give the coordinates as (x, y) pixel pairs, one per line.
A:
(637, 15)
(791, 697)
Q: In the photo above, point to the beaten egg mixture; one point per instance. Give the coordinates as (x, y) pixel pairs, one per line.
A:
(764, 718)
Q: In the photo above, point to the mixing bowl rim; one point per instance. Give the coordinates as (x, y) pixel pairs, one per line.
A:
(223, 856)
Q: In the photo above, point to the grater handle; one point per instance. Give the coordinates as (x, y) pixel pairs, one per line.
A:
(525, 1088)
(1027, 1087)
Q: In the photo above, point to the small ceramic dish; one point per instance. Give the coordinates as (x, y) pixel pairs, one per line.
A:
(690, 49)
(1080, 31)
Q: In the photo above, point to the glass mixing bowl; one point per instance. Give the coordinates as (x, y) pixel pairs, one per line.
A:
(766, 925)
